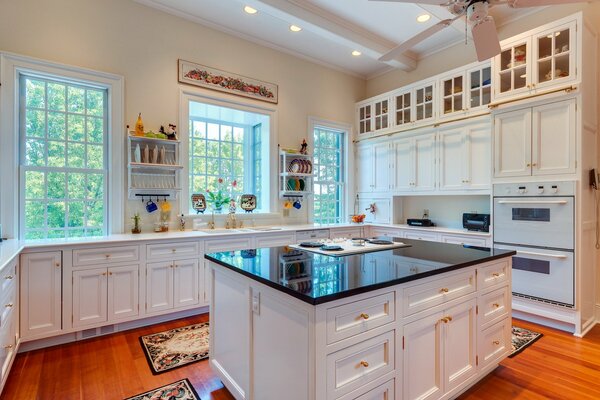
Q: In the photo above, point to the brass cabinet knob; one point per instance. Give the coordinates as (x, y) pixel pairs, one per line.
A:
(9, 305)
(496, 342)
(444, 290)
(534, 165)
(173, 250)
(10, 346)
(104, 274)
(529, 164)
(57, 265)
(364, 316)
(496, 274)
(107, 255)
(110, 274)
(9, 277)
(496, 305)
(364, 364)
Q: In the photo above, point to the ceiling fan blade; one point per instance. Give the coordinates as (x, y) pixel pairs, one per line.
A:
(418, 38)
(539, 3)
(485, 38)
(431, 2)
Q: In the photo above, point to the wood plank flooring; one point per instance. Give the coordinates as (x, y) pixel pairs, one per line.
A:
(558, 366)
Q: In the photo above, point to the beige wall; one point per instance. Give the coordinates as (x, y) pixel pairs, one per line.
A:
(460, 54)
(143, 45)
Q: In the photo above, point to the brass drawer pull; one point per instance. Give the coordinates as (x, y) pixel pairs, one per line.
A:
(107, 256)
(496, 342)
(496, 274)
(10, 346)
(364, 364)
(444, 290)
(446, 319)
(9, 305)
(9, 277)
(496, 305)
(364, 316)
(174, 250)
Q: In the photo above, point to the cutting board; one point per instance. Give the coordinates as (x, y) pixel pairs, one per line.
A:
(349, 248)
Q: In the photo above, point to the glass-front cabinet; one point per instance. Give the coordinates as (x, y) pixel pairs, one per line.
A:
(424, 96)
(555, 55)
(452, 95)
(382, 114)
(364, 119)
(403, 108)
(480, 86)
(512, 66)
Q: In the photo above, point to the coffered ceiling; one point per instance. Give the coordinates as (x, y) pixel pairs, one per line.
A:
(331, 29)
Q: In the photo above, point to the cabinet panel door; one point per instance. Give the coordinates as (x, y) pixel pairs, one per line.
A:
(452, 161)
(423, 359)
(185, 283)
(478, 156)
(460, 344)
(512, 144)
(403, 165)
(89, 296)
(41, 293)
(123, 292)
(553, 130)
(159, 286)
(364, 169)
(381, 167)
(424, 150)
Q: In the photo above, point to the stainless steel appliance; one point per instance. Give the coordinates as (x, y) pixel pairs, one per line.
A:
(538, 221)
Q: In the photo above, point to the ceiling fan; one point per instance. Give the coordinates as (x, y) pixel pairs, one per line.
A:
(483, 28)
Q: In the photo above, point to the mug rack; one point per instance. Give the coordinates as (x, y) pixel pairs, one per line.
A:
(150, 196)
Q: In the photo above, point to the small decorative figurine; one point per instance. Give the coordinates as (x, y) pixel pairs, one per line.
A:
(139, 126)
(199, 203)
(136, 223)
(248, 202)
(170, 133)
(304, 147)
(232, 206)
(182, 222)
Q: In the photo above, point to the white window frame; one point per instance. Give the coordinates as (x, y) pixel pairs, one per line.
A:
(347, 162)
(185, 96)
(11, 67)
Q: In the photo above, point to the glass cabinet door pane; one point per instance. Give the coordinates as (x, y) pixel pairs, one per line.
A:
(475, 79)
(361, 112)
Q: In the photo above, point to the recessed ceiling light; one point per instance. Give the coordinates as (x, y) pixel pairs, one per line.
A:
(250, 10)
(295, 28)
(356, 53)
(423, 18)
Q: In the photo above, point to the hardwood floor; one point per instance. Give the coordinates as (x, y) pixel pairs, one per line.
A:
(558, 366)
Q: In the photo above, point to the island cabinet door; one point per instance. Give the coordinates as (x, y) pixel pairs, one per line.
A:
(423, 353)
(123, 292)
(89, 296)
(460, 344)
(185, 281)
(159, 286)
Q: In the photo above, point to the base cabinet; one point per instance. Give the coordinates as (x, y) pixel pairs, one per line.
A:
(172, 285)
(41, 294)
(9, 318)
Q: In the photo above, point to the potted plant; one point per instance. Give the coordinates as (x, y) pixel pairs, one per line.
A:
(136, 228)
(219, 197)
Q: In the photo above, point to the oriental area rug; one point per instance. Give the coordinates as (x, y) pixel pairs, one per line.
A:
(180, 390)
(176, 347)
(521, 338)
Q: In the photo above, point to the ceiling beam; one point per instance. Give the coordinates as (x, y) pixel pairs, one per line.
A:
(332, 27)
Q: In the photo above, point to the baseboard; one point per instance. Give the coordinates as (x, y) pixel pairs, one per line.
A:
(85, 334)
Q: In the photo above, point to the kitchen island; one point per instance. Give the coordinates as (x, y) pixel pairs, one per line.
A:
(420, 322)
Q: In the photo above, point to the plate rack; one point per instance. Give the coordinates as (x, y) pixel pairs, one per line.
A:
(296, 174)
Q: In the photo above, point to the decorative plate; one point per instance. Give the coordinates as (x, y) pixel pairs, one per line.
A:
(295, 166)
(199, 203)
(248, 202)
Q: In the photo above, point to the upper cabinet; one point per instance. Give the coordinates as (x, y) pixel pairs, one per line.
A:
(424, 95)
(452, 97)
(479, 84)
(512, 68)
(373, 115)
(555, 55)
(364, 113)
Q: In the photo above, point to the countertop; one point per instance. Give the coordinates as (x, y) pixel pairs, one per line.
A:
(318, 279)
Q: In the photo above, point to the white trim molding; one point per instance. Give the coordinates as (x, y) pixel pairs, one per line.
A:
(11, 66)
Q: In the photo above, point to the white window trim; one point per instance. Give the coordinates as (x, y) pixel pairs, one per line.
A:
(185, 96)
(348, 162)
(11, 65)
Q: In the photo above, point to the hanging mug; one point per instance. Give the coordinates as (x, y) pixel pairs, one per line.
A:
(297, 205)
(151, 206)
(287, 204)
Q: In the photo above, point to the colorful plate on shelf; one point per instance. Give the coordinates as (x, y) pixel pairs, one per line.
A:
(301, 184)
(295, 166)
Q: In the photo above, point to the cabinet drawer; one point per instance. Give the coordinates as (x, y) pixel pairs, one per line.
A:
(358, 317)
(275, 239)
(432, 237)
(105, 255)
(377, 231)
(464, 240)
(312, 234)
(357, 365)
(493, 306)
(228, 244)
(170, 250)
(8, 277)
(347, 233)
(492, 275)
(495, 343)
(8, 343)
(8, 304)
(382, 392)
(421, 297)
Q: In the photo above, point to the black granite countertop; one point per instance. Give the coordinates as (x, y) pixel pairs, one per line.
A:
(317, 279)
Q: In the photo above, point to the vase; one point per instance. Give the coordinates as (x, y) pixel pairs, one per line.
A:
(218, 209)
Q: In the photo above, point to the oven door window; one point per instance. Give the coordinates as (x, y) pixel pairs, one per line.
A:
(531, 214)
(531, 265)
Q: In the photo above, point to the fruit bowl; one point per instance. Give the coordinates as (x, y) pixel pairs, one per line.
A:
(357, 218)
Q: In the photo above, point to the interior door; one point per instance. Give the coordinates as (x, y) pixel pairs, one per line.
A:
(452, 160)
(424, 153)
(512, 144)
(381, 165)
(123, 292)
(460, 344)
(403, 164)
(159, 286)
(89, 296)
(554, 132)
(185, 283)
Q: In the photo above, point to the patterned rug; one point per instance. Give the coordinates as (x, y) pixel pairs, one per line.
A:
(176, 347)
(180, 390)
(521, 338)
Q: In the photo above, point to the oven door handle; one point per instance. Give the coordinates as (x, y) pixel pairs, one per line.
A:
(532, 253)
(561, 202)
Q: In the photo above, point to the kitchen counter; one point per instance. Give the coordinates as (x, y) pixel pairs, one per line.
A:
(307, 275)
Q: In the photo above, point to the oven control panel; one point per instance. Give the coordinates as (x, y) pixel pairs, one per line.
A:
(534, 189)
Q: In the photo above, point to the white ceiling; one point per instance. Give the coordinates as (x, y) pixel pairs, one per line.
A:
(331, 29)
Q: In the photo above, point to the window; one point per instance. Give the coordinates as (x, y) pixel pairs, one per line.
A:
(63, 184)
(231, 145)
(329, 185)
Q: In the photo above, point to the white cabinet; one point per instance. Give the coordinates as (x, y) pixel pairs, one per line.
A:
(536, 141)
(403, 107)
(172, 285)
(479, 86)
(403, 164)
(424, 156)
(413, 164)
(382, 113)
(373, 167)
(374, 115)
(512, 68)
(440, 351)
(465, 153)
(365, 116)
(424, 95)
(452, 94)
(364, 168)
(555, 55)
(9, 319)
(105, 294)
(41, 294)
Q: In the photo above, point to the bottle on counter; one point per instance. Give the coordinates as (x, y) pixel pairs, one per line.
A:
(139, 126)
